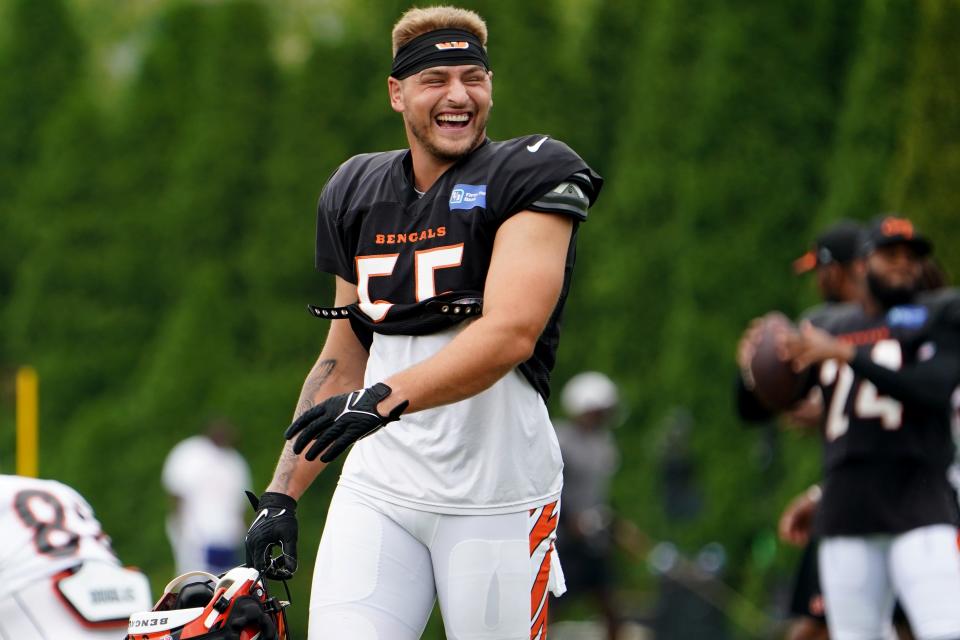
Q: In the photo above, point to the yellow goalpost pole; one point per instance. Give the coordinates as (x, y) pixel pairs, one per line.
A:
(27, 422)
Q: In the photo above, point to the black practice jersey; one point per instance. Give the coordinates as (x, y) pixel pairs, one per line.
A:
(887, 438)
(409, 254)
(886, 432)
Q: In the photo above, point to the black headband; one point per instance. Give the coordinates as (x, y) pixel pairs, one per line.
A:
(440, 48)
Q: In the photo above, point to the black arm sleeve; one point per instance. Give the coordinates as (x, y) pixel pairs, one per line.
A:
(927, 385)
(568, 198)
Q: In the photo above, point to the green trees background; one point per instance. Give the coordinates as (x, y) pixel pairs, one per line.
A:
(159, 169)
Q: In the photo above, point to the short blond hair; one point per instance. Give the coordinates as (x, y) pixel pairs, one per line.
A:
(416, 22)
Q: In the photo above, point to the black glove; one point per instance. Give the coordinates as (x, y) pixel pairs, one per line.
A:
(248, 611)
(274, 526)
(341, 420)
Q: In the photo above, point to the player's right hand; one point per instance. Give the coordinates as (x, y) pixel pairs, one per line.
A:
(273, 530)
(812, 345)
(337, 422)
(746, 347)
(796, 522)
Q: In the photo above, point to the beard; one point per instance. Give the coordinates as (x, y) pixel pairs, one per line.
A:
(422, 135)
(888, 296)
(833, 296)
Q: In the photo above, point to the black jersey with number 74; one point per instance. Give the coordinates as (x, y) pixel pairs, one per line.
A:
(887, 424)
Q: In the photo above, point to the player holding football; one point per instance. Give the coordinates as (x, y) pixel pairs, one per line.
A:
(887, 517)
(452, 262)
(837, 265)
(59, 576)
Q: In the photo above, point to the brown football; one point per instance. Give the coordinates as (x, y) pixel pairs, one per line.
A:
(776, 384)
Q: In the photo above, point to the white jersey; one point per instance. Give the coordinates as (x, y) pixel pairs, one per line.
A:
(46, 527)
(495, 452)
(209, 481)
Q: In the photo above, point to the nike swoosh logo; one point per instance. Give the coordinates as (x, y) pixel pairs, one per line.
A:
(354, 401)
(261, 515)
(533, 148)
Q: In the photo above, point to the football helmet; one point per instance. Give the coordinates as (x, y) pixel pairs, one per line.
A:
(200, 606)
(589, 391)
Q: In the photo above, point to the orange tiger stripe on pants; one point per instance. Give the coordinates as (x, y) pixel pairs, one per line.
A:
(542, 534)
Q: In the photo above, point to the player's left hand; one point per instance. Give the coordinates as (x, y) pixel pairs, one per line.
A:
(340, 421)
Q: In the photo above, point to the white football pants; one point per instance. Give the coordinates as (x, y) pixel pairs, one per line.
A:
(861, 575)
(380, 566)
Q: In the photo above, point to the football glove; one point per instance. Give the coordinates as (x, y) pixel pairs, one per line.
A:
(248, 611)
(340, 421)
(274, 526)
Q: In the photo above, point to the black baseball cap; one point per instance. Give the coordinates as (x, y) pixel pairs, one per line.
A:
(840, 243)
(890, 229)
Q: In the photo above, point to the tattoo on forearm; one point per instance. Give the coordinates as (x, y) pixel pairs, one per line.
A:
(315, 379)
(285, 468)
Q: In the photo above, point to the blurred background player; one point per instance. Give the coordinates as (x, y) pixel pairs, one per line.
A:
(206, 479)
(796, 522)
(59, 577)
(887, 517)
(836, 262)
(585, 536)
